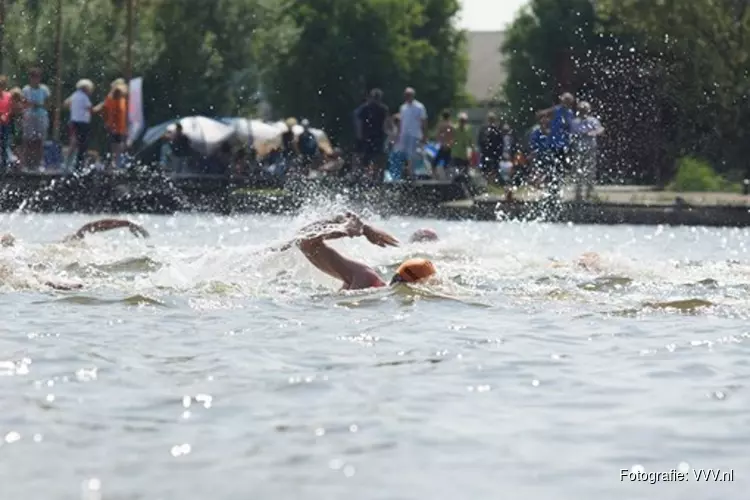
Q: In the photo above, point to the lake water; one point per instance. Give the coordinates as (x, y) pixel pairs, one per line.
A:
(197, 365)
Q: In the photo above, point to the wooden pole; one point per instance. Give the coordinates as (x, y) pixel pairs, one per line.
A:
(128, 59)
(58, 73)
(2, 33)
(129, 42)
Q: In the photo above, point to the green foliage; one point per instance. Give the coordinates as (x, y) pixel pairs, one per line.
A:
(193, 60)
(339, 49)
(207, 62)
(704, 58)
(696, 175)
(313, 58)
(668, 78)
(542, 47)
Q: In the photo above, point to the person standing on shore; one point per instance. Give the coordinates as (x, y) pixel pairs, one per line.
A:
(463, 144)
(540, 152)
(490, 148)
(115, 113)
(35, 119)
(587, 129)
(181, 150)
(358, 151)
(413, 127)
(6, 111)
(373, 118)
(308, 147)
(445, 138)
(561, 127)
(17, 108)
(80, 119)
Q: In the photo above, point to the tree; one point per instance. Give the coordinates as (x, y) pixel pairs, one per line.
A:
(315, 58)
(565, 45)
(547, 49)
(207, 63)
(193, 60)
(336, 50)
(703, 55)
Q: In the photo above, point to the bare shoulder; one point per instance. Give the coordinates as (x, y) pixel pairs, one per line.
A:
(365, 277)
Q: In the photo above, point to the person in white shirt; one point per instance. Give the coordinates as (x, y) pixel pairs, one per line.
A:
(413, 127)
(586, 130)
(80, 118)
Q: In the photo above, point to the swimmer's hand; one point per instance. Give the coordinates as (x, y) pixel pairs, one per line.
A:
(138, 231)
(379, 237)
(355, 227)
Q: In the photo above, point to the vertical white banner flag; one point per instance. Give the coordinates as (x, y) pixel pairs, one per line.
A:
(136, 121)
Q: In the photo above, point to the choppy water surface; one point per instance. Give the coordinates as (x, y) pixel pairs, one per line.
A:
(199, 365)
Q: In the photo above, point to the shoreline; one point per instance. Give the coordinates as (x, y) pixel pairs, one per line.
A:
(148, 191)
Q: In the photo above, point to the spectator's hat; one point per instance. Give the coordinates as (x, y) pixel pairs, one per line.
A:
(291, 122)
(86, 84)
(463, 116)
(305, 122)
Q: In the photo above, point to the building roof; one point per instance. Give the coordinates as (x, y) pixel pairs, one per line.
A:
(486, 66)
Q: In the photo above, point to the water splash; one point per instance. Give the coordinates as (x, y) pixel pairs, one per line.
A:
(214, 261)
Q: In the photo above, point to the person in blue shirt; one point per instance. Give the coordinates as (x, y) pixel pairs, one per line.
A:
(540, 150)
(35, 119)
(539, 142)
(561, 119)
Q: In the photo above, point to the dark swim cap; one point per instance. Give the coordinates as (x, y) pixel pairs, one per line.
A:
(423, 235)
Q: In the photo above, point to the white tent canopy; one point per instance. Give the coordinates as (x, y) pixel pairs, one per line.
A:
(205, 134)
(323, 142)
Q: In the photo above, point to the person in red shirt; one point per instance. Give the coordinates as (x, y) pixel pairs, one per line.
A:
(6, 111)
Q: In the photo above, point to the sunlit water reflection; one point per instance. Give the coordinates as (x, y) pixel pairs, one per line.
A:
(197, 364)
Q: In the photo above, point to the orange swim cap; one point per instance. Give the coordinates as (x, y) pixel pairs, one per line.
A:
(414, 270)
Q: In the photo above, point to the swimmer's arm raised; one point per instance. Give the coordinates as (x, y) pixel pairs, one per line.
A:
(325, 258)
(107, 225)
(332, 262)
(347, 224)
(316, 230)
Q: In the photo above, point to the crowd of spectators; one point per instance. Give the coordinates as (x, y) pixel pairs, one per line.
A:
(389, 146)
(562, 146)
(394, 146)
(24, 121)
(25, 124)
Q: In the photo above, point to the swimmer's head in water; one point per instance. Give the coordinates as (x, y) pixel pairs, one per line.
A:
(424, 234)
(413, 271)
(7, 240)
